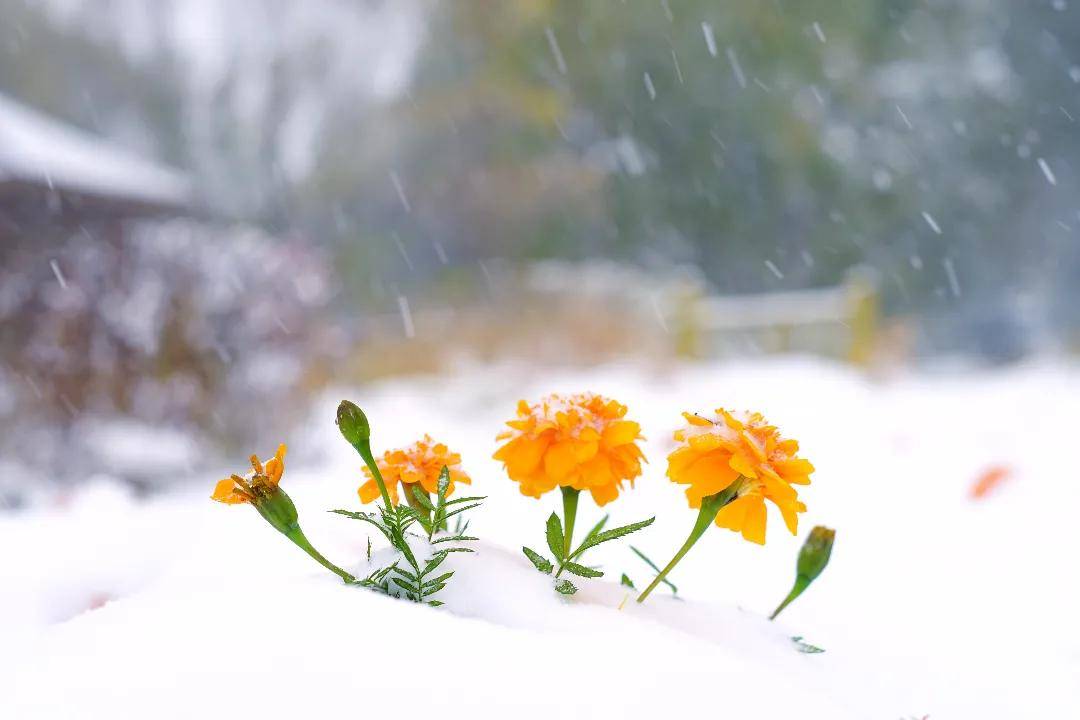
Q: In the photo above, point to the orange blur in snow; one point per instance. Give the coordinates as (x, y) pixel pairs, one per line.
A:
(989, 480)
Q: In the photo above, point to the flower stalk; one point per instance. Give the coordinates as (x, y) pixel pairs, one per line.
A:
(356, 429)
(570, 502)
(710, 506)
(301, 541)
(262, 490)
(813, 558)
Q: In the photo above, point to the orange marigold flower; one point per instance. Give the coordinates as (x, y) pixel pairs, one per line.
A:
(579, 441)
(263, 481)
(716, 452)
(420, 463)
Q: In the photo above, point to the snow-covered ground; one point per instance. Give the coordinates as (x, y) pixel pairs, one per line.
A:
(934, 604)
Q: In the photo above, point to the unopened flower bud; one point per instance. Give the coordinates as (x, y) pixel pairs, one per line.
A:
(353, 424)
(815, 552)
(813, 557)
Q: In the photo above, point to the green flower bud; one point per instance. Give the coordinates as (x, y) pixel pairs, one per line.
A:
(815, 552)
(813, 557)
(353, 424)
(277, 508)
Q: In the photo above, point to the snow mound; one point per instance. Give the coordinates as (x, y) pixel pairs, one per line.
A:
(934, 603)
(305, 645)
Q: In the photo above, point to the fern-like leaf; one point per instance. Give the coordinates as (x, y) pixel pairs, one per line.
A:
(555, 535)
(582, 571)
(608, 535)
(539, 561)
(566, 588)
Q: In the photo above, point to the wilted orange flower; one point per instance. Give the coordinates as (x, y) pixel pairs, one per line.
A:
(579, 441)
(420, 463)
(717, 452)
(263, 481)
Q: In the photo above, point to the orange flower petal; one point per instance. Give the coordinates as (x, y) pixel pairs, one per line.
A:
(559, 460)
(226, 492)
(603, 494)
(743, 465)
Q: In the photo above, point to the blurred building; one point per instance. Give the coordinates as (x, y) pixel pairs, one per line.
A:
(55, 176)
(127, 313)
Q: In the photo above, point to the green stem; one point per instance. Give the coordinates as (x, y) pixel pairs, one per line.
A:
(364, 448)
(710, 506)
(569, 502)
(301, 541)
(801, 583)
(569, 505)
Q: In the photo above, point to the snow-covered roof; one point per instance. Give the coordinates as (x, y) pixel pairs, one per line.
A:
(41, 150)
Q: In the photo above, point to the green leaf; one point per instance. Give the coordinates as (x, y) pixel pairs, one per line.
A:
(422, 497)
(650, 563)
(435, 561)
(405, 573)
(441, 579)
(414, 515)
(453, 538)
(458, 511)
(605, 536)
(406, 586)
(624, 580)
(805, 647)
(539, 561)
(597, 527)
(565, 588)
(431, 590)
(381, 573)
(443, 484)
(582, 570)
(368, 518)
(435, 603)
(458, 501)
(555, 535)
(400, 544)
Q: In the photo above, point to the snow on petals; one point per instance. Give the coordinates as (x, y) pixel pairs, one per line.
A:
(580, 441)
(716, 452)
(417, 464)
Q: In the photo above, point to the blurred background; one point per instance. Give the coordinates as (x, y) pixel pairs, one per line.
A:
(212, 211)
